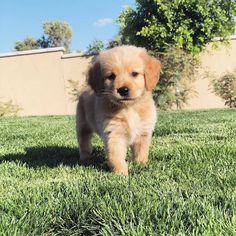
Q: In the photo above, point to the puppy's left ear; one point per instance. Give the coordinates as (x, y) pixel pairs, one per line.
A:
(151, 71)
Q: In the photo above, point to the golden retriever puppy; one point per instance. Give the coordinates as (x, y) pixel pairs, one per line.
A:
(119, 105)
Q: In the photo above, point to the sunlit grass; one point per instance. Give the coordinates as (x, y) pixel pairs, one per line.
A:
(187, 188)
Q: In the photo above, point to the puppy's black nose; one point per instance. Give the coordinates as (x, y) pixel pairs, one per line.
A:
(123, 91)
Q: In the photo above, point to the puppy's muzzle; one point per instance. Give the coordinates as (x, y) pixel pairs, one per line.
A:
(123, 91)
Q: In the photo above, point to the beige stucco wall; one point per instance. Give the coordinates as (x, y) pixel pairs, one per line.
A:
(37, 80)
(74, 68)
(34, 81)
(214, 63)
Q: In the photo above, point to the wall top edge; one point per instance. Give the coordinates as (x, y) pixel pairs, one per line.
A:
(30, 52)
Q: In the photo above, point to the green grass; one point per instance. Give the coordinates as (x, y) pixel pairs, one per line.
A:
(188, 187)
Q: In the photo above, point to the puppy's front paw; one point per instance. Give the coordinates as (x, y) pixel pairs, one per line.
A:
(141, 160)
(120, 169)
(122, 172)
(85, 159)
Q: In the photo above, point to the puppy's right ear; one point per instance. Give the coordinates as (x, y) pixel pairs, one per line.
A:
(94, 76)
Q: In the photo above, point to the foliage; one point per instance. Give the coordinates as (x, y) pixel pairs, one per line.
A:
(186, 24)
(56, 34)
(187, 188)
(95, 47)
(123, 21)
(178, 72)
(113, 43)
(9, 108)
(116, 41)
(98, 45)
(225, 87)
(74, 89)
(27, 44)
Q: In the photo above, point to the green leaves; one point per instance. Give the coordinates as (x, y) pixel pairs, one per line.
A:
(95, 47)
(178, 72)
(56, 34)
(225, 87)
(28, 43)
(186, 24)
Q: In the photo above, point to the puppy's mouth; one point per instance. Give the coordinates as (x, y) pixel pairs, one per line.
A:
(127, 99)
(117, 98)
(123, 99)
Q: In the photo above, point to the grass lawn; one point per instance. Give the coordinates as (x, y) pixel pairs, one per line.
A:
(188, 187)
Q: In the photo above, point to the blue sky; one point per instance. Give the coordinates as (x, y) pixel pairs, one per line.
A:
(89, 19)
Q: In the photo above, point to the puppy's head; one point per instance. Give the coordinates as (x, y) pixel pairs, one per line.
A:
(124, 73)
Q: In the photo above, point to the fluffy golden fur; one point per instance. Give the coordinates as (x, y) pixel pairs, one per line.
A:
(118, 105)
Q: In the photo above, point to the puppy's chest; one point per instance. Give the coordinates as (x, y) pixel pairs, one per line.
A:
(135, 125)
(130, 124)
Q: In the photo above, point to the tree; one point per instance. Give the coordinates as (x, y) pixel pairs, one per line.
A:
(56, 34)
(95, 47)
(27, 44)
(186, 24)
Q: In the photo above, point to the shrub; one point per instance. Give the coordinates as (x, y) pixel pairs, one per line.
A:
(74, 89)
(9, 108)
(225, 87)
(178, 72)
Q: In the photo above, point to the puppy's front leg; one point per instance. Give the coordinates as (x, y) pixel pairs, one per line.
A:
(140, 148)
(84, 138)
(116, 148)
(84, 132)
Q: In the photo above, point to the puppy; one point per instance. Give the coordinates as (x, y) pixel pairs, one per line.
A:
(119, 105)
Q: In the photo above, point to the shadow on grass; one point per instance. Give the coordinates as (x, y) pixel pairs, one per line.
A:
(54, 156)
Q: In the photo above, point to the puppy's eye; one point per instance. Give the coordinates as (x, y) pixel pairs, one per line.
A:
(134, 74)
(112, 76)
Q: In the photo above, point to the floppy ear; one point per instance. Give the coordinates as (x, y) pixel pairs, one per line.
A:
(94, 76)
(151, 71)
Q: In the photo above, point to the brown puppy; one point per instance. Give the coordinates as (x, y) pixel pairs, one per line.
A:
(119, 105)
